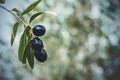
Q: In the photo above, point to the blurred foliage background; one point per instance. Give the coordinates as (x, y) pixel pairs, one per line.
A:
(82, 41)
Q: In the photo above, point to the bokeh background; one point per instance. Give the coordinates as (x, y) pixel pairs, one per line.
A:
(82, 41)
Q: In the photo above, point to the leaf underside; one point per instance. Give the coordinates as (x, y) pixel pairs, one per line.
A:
(34, 16)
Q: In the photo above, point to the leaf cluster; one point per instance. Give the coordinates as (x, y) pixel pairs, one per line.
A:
(25, 53)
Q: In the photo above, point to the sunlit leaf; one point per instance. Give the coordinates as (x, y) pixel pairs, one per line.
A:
(39, 18)
(30, 7)
(31, 58)
(34, 16)
(22, 45)
(15, 27)
(50, 12)
(2, 1)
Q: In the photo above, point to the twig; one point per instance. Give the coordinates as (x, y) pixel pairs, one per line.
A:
(13, 14)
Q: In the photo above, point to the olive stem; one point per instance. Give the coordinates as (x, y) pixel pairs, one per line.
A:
(14, 15)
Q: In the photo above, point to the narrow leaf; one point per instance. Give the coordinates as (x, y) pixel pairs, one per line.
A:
(15, 10)
(28, 30)
(50, 12)
(15, 27)
(34, 16)
(22, 45)
(31, 58)
(30, 7)
(26, 52)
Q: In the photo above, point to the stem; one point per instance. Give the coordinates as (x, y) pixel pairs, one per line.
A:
(14, 15)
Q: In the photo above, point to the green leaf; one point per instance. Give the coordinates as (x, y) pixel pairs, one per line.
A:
(30, 7)
(39, 13)
(26, 52)
(34, 16)
(22, 45)
(15, 10)
(15, 27)
(31, 58)
(2, 1)
(28, 30)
